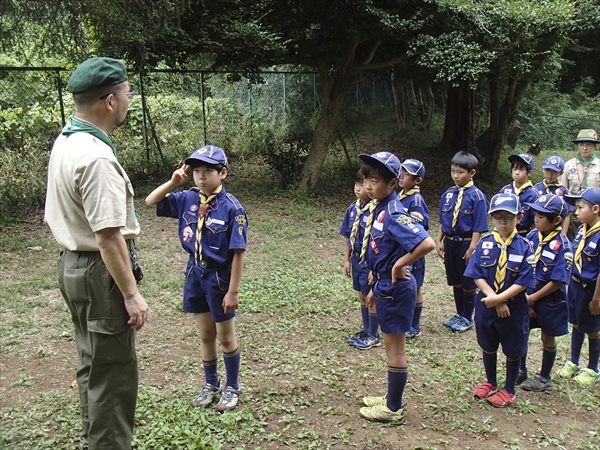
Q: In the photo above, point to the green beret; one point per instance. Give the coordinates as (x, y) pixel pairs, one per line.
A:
(97, 72)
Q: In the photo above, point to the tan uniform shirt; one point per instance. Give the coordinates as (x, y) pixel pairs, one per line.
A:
(574, 175)
(88, 191)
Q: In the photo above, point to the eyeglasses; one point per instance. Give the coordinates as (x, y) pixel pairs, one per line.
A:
(500, 216)
(130, 93)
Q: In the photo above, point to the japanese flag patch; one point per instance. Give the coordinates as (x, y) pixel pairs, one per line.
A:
(487, 245)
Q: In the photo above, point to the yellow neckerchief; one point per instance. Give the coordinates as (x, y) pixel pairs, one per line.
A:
(544, 240)
(365, 242)
(461, 191)
(586, 233)
(522, 188)
(204, 202)
(549, 185)
(359, 212)
(405, 194)
(502, 259)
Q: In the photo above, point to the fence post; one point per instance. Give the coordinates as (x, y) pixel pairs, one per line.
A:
(60, 98)
(203, 106)
(144, 124)
(284, 118)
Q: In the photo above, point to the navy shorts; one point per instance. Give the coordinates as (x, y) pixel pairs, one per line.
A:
(455, 264)
(204, 291)
(418, 272)
(552, 315)
(579, 299)
(360, 276)
(395, 304)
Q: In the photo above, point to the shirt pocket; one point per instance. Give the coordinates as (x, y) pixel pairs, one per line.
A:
(190, 217)
(514, 268)
(590, 252)
(216, 226)
(544, 269)
(447, 207)
(488, 263)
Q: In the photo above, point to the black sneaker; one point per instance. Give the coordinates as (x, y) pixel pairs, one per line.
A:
(356, 337)
(537, 384)
(522, 377)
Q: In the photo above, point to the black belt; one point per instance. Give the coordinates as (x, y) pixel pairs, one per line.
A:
(458, 238)
(383, 275)
(523, 231)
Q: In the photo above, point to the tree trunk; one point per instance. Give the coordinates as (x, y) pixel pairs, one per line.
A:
(458, 125)
(427, 125)
(395, 83)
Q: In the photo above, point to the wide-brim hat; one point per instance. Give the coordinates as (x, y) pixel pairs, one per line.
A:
(387, 159)
(591, 195)
(587, 135)
(549, 204)
(208, 154)
(505, 202)
(523, 158)
(414, 167)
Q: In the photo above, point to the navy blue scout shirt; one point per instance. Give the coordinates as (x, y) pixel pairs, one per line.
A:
(561, 191)
(346, 228)
(527, 195)
(555, 262)
(225, 226)
(393, 235)
(482, 265)
(590, 262)
(417, 209)
(473, 212)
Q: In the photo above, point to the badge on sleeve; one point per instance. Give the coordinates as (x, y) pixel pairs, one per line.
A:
(569, 257)
(554, 245)
(241, 219)
(487, 244)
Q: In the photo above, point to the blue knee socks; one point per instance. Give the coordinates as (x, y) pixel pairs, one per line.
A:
(577, 338)
(232, 367)
(512, 373)
(594, 353)
(210, 372)
(397, 377)
(489, 364)
(458, 299)
(417, 316)
(548, 358)
(373, 329)
(364, 314)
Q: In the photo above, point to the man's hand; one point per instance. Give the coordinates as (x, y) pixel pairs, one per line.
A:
(138, 310)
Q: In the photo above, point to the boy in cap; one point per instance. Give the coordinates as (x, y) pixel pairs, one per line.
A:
(84, 177)
(582, 171)
(553, 168)
(500, 269)
(392, 242)
(353, 229)
(584, 293)
(212, 229)
(521, 169)
(463, 218)
(551, 261)
(413, 172)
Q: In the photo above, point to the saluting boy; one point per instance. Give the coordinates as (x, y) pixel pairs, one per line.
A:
(353, 229)
(521, 169)
(413, 172)
(500, 269)
(392, 242)
(212, 230)
(584, 293)
(463, 218)
(551, 261)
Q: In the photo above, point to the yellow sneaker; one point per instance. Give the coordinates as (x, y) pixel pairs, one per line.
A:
(381, 413)
(587, 376)
(569, 370)
(372, 401)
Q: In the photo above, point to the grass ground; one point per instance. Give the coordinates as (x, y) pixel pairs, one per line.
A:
(302, 383)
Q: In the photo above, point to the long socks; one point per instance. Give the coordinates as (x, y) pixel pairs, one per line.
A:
(232, 367)
(373, 329)
(458, 299)
(210, 372)
(512, 373)
(468, 304)
(489, 364)
(417, 315)
(577, 338)
(364, 314)
(548, 357)
(397, 377)
(594, 352)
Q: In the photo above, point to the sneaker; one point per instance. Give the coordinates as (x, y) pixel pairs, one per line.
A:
(413, 333)
(372, 401)
(485, 390)
(207, 395)
(587, 376)
(501, 399)
(229, 399)
(537, 384)
(449, 322)
(367, 343)
(462, 324)
(569, 370)
(381, 413)
(360, 335)
(522, 377)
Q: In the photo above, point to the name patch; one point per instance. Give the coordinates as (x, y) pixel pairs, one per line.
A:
(515, 258)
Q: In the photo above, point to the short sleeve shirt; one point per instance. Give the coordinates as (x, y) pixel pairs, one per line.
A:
(574, 175)
(87, 191)
(225, 226)
(527, 195)
(555, 261)
(416, 208)
(353, 214)
(590, 262)
(472, 217)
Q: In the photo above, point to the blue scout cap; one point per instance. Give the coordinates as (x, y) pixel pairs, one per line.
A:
(97, 72)
(522, 158)
(549, 204)
(208, 154)
(592, 195)
(555, 163)
(390, 161)
(505, 202)
(414, 167)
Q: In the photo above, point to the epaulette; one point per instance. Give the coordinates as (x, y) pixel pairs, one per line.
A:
(480, 195)
(234, 200)
(395, 206)
(418, 199)
(194, 188)
(486, 234)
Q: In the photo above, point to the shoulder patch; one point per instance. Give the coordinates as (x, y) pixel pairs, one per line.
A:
(417, 216)
(404, 220)
(234, 200)
(241, 219)
(569, 257)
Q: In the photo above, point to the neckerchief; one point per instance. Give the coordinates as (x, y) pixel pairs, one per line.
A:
(522, 188)
(461, 191)
(549, 185)
(77, 125)
(365, 242)
(405, 194)
(502, 259)
(204, 202)
(585, 169)
(586, 233)
(359, 212)
(544, 240)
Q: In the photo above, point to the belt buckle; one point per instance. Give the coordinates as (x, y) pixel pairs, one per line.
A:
(203, 264)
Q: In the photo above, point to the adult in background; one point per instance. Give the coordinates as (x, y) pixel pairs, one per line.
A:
(90, 211)
(582, 172)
